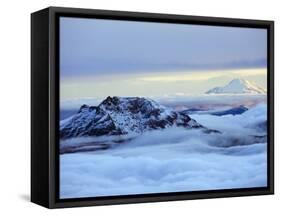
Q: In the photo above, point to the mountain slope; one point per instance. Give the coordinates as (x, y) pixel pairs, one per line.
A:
(230, 111)
(238, 86)
(233, 111)
(123, 115)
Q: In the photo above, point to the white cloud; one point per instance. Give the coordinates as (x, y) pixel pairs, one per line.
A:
(172, 160)
(233, 124)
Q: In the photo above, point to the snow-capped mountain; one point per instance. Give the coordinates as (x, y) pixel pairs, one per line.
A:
(123, 115)
(238, 86)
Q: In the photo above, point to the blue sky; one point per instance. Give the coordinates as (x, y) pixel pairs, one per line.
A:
(100, 50)
(93, 46)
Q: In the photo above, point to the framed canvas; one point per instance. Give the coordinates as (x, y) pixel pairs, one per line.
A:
(132, 107)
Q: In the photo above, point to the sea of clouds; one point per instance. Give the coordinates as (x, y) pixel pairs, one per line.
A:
(172, 160)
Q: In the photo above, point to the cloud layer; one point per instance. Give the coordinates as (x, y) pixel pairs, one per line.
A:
(173, 160)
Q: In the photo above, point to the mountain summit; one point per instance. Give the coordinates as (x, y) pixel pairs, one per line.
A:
(123, 115)
(238, 86)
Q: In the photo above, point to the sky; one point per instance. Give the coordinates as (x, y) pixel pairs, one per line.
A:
(99, 57)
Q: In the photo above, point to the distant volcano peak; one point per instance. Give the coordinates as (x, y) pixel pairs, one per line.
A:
(238, 86)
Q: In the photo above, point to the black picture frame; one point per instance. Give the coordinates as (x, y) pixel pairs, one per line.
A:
(45, 108)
